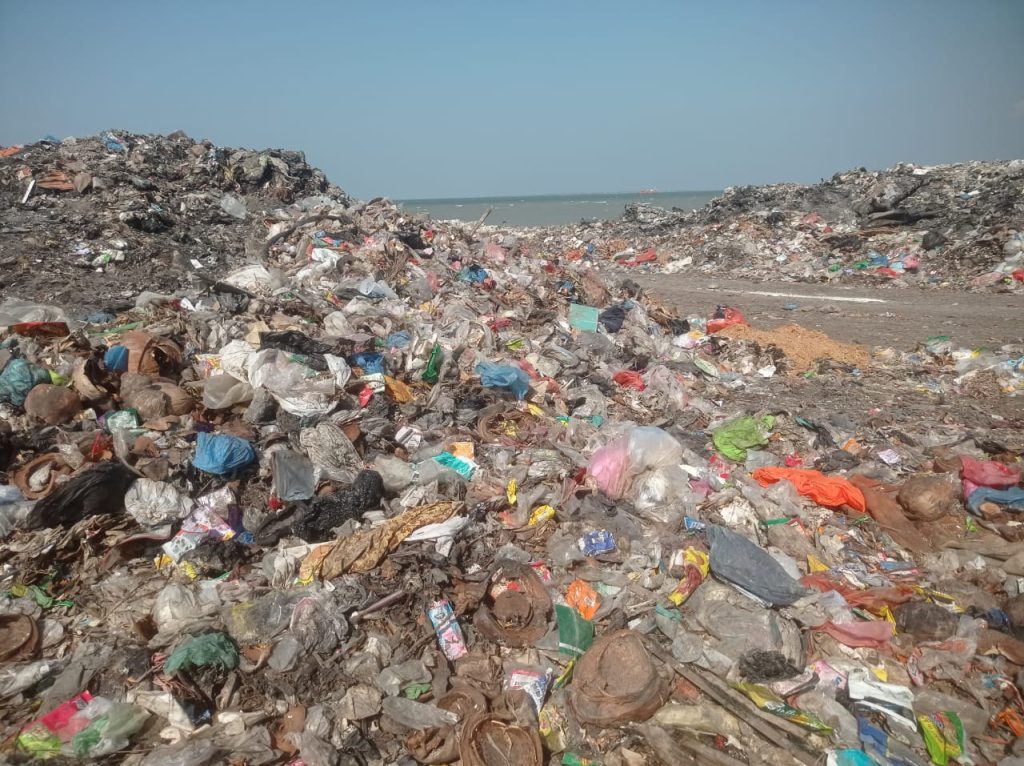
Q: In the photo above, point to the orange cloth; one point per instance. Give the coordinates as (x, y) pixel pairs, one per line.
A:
(829, 491)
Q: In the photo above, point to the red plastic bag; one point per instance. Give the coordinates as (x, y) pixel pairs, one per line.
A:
(827, 491)
(987, 473)
(630, 379)
(723, 317)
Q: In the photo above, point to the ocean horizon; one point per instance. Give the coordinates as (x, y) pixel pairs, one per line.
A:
(552, 209)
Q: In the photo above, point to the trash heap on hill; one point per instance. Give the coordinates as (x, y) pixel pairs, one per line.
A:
(959, 225)
(381, 493)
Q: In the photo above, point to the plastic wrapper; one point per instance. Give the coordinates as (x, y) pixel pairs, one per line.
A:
(448, 630)
(767, 700)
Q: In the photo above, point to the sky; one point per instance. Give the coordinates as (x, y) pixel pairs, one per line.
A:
(456, 99)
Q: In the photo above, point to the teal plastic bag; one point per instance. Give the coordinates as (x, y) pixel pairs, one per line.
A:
(18, 378)
(504, 376)
(209, 650)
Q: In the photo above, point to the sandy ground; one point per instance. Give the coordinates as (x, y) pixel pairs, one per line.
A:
(880, 318)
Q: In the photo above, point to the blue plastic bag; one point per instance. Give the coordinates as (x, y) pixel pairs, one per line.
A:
(504, 376)
(116, 359)
(18, 378)
(475, 275)
(399, 339)
(372, 364)
(221, 454)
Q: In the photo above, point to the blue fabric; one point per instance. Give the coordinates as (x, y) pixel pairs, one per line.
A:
(504, 376)
(221, 454)
(116, 359)
(1011, 499)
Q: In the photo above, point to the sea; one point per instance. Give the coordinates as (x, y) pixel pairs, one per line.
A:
(552, 209)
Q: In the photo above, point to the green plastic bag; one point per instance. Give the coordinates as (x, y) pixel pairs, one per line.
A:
(575, 635)
(433, 371)
(211, 649)
(734, 437)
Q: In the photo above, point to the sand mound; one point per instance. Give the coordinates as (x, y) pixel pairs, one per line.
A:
(801, 346)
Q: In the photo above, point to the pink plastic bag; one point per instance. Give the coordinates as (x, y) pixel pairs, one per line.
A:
(987, 473)
(857, 634)
(609, 466)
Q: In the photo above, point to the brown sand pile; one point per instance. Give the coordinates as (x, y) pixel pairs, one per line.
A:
(801, 346)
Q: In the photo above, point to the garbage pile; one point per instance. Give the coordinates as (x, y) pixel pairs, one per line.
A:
(95, 221)
(959, 225)
(394, 494)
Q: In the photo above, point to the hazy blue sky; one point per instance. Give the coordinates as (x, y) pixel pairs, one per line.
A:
(435, 99)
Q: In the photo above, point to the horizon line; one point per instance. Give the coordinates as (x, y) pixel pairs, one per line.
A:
(559, 194)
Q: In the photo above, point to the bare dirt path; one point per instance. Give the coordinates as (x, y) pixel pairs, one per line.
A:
(875, 317)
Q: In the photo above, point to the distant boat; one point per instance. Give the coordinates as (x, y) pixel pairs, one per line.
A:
(648, 191)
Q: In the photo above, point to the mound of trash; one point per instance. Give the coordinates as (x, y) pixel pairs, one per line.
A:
(377, 493)
(959, 225)
(94, 221)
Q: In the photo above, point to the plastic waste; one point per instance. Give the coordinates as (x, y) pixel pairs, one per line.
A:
(293, 475)
(18, 379)
(153, 503)
(222, 392)
(299, 389)
(222, 454)
(210, 650)
(735, 437)
(988, 473)
(504, 376)
(99, 489)
(746, 565)
(827, 491)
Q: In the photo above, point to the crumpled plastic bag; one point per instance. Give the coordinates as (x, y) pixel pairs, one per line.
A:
(152, 503)
(298, 388)
(18, 378)
(293, 475)
(224, 391)
(826, 491)
(734, 437)
(222, 454)
(987, 473)
(609, 466)
(747, 565)
(504, 376)
(209, 650)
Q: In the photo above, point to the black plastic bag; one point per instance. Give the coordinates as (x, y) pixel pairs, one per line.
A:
(101, 489)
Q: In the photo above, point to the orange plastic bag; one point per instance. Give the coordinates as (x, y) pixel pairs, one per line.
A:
(827, 491)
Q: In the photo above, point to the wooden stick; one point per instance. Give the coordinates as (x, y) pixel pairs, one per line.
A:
(480, 221)
(779, 732)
